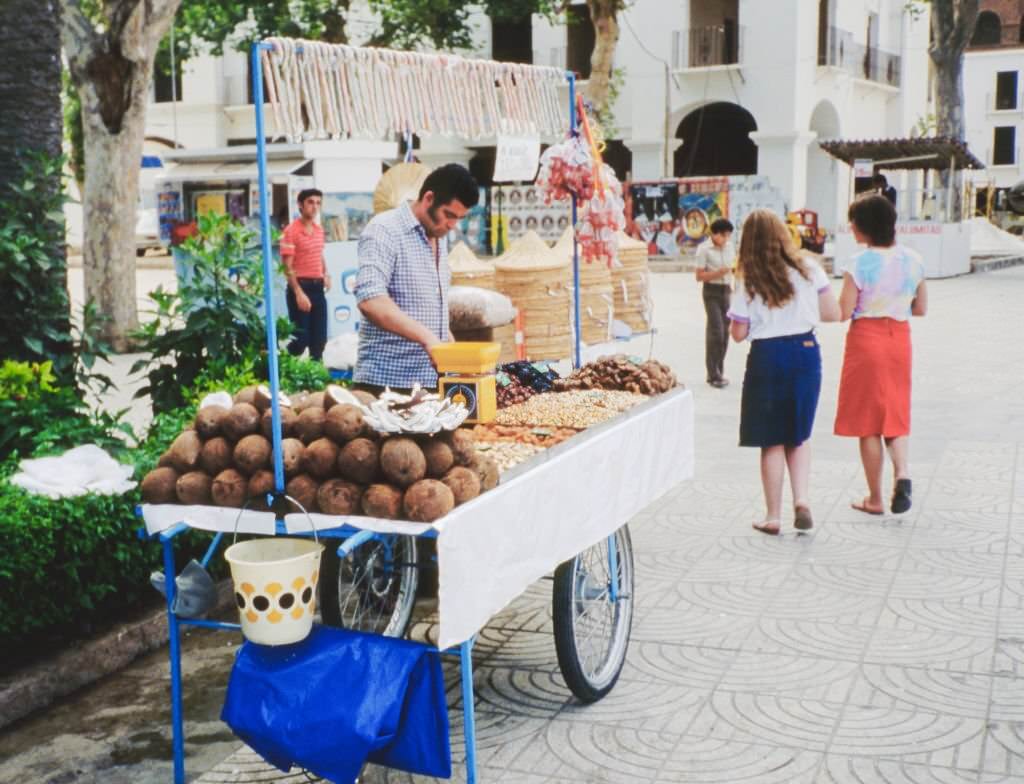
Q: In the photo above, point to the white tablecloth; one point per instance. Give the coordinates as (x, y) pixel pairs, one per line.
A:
(560, 503)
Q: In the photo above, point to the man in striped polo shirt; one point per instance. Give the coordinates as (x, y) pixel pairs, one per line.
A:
(403, 279)
(302, 251)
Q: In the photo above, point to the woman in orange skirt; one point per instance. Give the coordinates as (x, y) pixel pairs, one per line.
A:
(883, 287)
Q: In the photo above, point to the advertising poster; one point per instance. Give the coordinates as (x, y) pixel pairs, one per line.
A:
(342, 261)
(701, 202)
(474, 228)
(522, 208)
(652, 216)
(343, 215)
(748, 193)
(168, 205)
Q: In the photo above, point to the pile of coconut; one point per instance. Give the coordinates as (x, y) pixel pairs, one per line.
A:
(334, 462)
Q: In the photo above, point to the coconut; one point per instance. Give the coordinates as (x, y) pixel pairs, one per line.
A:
(291, 456)
(310, 424)
(463, 446)
(464, 484)
(246, 395)
(215, 455)
(320, 457)
(303, 489)
(287, 423)
(359, 460)
(252, 453)
(262, 399)
(344, 422)
(260, 483)
(338, 497)
(185, 451)
(383, 501)
(298, 400)
(427, 500)
(165, 461)
(439, 457)
(364, 397)
(309, 400)
(209, 420)
(336, 395)
(402, 461)
(158, 486)
(242, 420)
(487, 469)
(228, 488)
(194, 488)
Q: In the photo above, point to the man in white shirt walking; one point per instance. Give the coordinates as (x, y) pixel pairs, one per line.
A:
(714, 269)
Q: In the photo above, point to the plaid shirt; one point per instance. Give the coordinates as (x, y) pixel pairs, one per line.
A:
(396, 259)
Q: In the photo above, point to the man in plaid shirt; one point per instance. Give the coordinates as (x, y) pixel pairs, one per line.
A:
(403, 279)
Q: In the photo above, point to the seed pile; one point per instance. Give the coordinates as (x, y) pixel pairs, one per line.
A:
(508, 454)
(620, 372)
(577, 410)
(538, 436)
(334, 462)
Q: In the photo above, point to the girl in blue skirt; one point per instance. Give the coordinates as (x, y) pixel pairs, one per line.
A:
(780, 298)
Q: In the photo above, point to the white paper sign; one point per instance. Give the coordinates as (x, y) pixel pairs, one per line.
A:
(517, 158)
(863, 167)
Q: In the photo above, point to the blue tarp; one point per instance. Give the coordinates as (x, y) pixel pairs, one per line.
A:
(339, 698)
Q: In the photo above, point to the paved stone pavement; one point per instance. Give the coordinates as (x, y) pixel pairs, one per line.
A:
(872, 650)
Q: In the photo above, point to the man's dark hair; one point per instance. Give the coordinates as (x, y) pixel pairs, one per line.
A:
(451, 181)
(879, 181)
(306, 193)
(875, 217)
(722, 226)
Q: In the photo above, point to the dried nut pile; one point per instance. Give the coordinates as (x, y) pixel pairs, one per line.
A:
(538, 436)
(622, 373)
(513, 392)
(578, 410)
(507, 454)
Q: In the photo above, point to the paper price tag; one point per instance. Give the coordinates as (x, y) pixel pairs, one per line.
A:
(517, 158)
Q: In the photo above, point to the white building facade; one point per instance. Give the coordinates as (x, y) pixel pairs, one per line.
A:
(710, 87)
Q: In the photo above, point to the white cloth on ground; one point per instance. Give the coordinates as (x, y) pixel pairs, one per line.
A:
(84, 469)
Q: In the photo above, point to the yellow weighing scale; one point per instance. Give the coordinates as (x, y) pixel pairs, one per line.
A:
(466, 375)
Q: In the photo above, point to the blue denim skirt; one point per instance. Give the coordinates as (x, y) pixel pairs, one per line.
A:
(780, 391)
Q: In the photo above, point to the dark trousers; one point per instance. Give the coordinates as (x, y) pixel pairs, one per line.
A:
(716, 336)
(311, 327)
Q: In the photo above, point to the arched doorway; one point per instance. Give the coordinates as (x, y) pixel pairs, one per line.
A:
(822, 171)
(989, 29)
(716, 141)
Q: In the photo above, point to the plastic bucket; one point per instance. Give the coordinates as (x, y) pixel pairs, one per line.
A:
(275, 587)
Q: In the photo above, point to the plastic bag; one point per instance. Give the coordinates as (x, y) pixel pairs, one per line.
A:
(473, 308)
(340, 353)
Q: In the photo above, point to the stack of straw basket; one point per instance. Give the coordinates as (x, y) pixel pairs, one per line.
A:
(631, 284)
(537, 280)
(596, 298)
(468, 270)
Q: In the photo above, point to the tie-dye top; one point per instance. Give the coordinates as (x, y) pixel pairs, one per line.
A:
(887, 279)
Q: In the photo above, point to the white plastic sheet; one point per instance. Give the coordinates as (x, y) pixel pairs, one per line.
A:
(84, 469)
(491, 549)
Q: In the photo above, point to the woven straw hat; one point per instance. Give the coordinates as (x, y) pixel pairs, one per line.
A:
(529, 253)
(400, 183)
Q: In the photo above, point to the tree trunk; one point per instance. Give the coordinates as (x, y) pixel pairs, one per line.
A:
(30, 72)
(604, 16)
(953, 24)
(112, 66)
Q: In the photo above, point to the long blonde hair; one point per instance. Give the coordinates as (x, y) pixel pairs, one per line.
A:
(767, 253)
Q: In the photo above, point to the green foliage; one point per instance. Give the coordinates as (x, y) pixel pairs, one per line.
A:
(215, 315)
(444, 24)
(298, 374)
(34, 322)
(74, 130)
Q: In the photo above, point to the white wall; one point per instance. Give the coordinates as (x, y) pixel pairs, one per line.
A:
(980, 69)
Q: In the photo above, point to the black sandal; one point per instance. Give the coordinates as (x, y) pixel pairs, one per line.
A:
(901, 497)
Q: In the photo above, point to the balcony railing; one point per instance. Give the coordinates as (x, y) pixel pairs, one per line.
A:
(703, 47)
(839, 50)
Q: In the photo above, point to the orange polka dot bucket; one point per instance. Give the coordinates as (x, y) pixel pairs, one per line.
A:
(275, 587)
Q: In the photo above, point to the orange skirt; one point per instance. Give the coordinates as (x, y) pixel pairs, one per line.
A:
(874, 391)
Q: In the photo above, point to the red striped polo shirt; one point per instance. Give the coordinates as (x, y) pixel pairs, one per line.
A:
(306, 249)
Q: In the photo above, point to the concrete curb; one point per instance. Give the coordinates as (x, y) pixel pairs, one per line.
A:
(26, 691)
(990, 265)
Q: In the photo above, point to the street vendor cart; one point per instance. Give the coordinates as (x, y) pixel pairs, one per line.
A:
(565, 510)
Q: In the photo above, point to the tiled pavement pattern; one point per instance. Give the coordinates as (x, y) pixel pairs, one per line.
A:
(872, 650)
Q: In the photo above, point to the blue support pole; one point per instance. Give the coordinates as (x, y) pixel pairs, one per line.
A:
(578, 336)
(268, 267)
(468, 709)
(613, 566)
(177, 730)
(212, 549)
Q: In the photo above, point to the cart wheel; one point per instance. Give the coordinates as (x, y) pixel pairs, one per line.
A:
(592, 628)
(374, 588)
